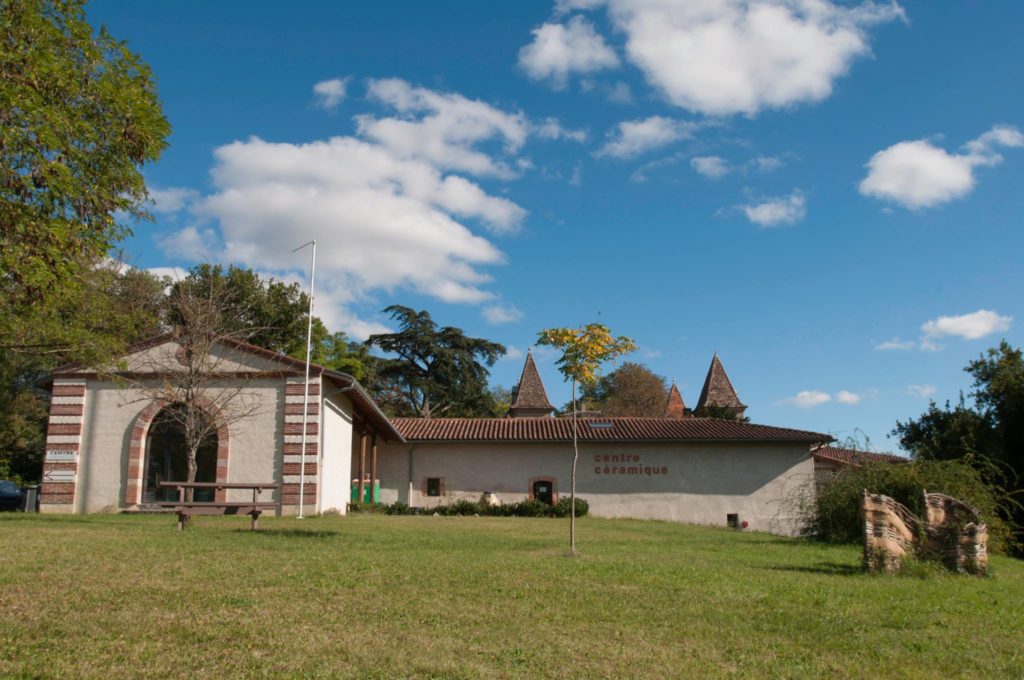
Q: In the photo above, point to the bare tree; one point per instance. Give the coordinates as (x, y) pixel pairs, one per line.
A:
(201, 390)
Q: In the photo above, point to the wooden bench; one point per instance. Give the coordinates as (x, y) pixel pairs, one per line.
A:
(185, 508)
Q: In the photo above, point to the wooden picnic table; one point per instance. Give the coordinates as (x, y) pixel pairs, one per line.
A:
(255, 507)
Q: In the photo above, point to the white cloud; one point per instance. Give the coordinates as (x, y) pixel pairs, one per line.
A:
(512, 353)
(576, 178)
(776, 211)
(191, 243)
(710, 166)
(330, 93)
(559, 50)
(389, 213)
(895, 344)
(737, 56)
(171, 199)
(499, 314)
(968, 326)
(173, 273)
(846, 397)
(634, 137)
(620, 93)
(922, 391)
(916, 174)
(813, 398)
(766, 163)
(381, 222)
(550, 128)
(807, 399)
(442, 128)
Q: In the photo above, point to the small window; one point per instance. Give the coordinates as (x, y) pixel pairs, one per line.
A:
(433, 486)
(732, 520)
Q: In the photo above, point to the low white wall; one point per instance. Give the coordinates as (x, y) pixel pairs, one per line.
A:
(336, 460)
(699, 483)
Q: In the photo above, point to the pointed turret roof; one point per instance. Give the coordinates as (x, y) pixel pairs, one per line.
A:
(718, 389)
(676, 408)
(530, 398)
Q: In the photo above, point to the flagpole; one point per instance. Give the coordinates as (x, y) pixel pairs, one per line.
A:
(305, 389)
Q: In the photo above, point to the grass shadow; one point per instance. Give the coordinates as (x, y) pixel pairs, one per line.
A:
(290, 533)
(829, 568)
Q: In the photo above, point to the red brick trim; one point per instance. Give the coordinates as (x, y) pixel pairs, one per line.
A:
(57, 493)
(296, 409)
(70, 429)
(51, 446)
(298, 389)
(554, 487)
(67, 409)
(295, 448)
(296, 468)
(137, 450)
(68, 390)
(296, 428)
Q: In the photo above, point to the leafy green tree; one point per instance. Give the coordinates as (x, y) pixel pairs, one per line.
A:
(122, 306)
(271, 313)
(632, 389)
(436, 370)
(988, 433)
(79, 116)
(584, 350)
(501, 398)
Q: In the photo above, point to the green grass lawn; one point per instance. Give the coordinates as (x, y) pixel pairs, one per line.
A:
(375, 596)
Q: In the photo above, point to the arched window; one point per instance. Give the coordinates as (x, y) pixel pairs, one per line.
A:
(167, 458)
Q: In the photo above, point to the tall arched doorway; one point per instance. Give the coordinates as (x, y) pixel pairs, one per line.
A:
(167, 458)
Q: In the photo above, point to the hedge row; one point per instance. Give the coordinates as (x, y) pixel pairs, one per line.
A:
(527, 508)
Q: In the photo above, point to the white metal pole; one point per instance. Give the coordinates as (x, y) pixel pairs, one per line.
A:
(305, 390)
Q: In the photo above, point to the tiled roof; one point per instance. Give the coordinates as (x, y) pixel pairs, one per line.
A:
(718, 389)
(603, 429)
(676, 408)
(530, 393)
(854, 457)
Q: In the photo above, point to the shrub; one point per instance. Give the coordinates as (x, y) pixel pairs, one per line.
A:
(532, 507)
(368, 508)
(561, 508)
(834, 515)
(464, 507)
(399, 508)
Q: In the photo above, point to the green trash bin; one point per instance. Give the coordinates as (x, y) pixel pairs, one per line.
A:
(368, 489)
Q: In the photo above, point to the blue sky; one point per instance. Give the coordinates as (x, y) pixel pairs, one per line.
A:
(826, 194)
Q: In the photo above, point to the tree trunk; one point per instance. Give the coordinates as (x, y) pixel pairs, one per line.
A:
(572, 476)
(193, 468)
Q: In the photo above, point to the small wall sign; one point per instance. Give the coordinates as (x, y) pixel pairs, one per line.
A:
(59, 476)
(61, 456)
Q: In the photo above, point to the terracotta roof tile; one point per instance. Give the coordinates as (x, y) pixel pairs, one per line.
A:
(601, 429)
(854, 457)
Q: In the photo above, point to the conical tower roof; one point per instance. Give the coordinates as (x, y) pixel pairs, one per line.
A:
(718, 389)
(676, 408)
(530, 399)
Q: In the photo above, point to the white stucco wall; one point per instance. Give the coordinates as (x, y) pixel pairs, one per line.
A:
(254, 442)
(336, 460)
(687, 482)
